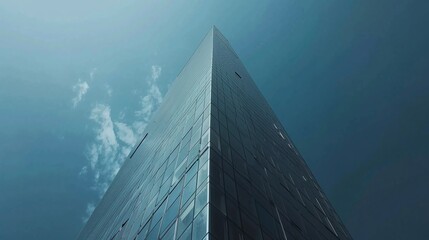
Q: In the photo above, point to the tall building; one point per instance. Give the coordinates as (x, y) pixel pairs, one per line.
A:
(214, 163)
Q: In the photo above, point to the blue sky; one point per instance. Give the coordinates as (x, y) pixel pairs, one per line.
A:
(80, 79)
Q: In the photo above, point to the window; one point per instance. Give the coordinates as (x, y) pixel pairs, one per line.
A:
(331, 227)
(170, 214)
(138, 146)
(185, 218)
(218, 224)
(189, 190)
(200, 224)
(201, 200)
(281, 135)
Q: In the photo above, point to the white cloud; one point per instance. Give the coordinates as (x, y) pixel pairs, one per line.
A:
(115, 138)
(109, 90)
(153, 97)
(156, 72)
(139, 127)
(122, 115)
(83, 171)
(105, 153)
(113, 142)
(125, 133)
(147, 105)
(92, 73)
(80, 89)
(105, 133)
(92, 155)
(89, 209)
(156, 94)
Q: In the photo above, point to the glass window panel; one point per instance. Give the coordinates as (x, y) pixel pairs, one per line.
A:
(228, 170)
(148, 211)
(215, 141)
(230, 186)
(170, 214)
(162, 170)
(246, 201)
(142, 232)
(153, 234)
(206, 124)
(183, 154)
(201, 200)
(196, 136)
(135, 224)
(168, 173)
(207, 112)
(205, 139)
(179, 171)
(200, 107)
(169, 235)
(187, 234)
(187, 137)
(204, 157)
(330, 226)
(267, 221)
(185, 218)
(217, 198)
(197, 124)
(216, 175)
(203, 173)
(222, 118)
(159, 212)
(200, 226)
(226, 151)
(232, 211)
(164, 189)
(251, 227)
(193, 153)
(242, 182)
(173, 155)
(218, 227)
(189, 189)
(175, 193)
(236, 145)
(239, 164)
(192, 171)
(234, 231)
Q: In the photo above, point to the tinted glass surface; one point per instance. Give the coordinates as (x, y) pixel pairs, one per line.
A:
(214, 162)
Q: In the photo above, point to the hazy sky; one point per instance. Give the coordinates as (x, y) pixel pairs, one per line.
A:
(80, 79)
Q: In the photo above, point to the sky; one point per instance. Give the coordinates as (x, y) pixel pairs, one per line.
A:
(79, 80)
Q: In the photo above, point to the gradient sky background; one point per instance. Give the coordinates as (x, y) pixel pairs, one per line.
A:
(348, 79)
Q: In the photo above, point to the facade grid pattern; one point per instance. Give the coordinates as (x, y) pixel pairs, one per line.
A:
(215, 163)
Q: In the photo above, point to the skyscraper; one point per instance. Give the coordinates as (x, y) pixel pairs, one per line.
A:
(214, 163)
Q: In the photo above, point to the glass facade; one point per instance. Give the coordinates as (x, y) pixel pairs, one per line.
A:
(214, 163)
